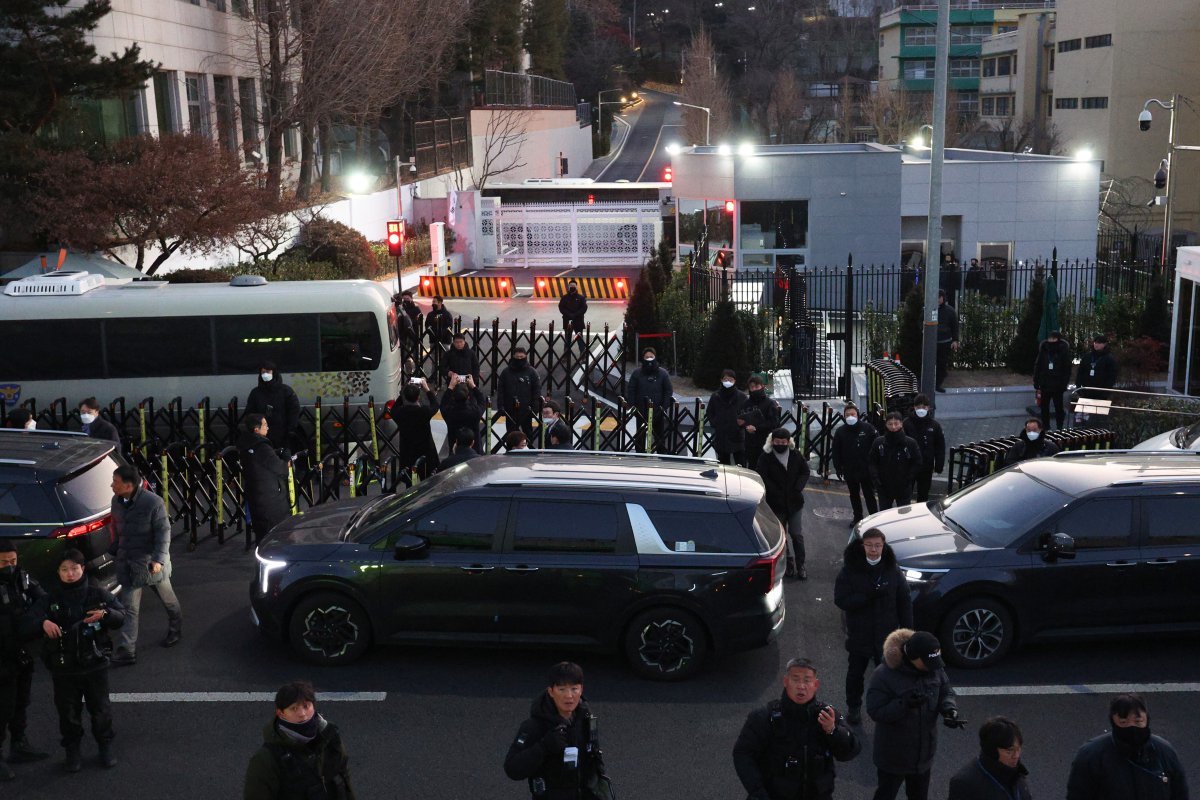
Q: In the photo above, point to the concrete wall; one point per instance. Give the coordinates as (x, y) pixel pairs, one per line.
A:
(547, 133)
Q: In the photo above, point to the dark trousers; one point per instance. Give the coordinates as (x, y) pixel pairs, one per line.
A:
(737, 459)
(523, 423)
(661, 443)
(921, 482)
(943, 362)
(795, 537)
(856, 670)
(916, 786)
(888, 498)
(14, 702)
(1059, 414)
(71, 692)
(863, 486)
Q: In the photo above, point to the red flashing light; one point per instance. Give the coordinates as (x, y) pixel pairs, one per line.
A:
(541, 283)
(395, 237)
(668, 175)
(427, 282)
(729, 205)
(503, 283)
(591, 199)
(620, 283)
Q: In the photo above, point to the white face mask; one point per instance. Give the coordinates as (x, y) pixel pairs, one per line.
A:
(727, 384)
(87, 419)
(852, 420)
(266, 376)
(31, 425)
(1033, 435)
(922, 412)
(873, 562)
(548, 421)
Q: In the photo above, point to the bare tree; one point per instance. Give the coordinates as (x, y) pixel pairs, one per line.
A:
(705, 86)
(1126, 203)
(504, 141)
(786, 109)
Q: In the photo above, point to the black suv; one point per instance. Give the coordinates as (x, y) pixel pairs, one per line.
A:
(55, 493)
(1081, 544)
(665, 558)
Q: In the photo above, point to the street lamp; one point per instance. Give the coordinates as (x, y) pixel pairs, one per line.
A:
(600, 107)
(707, 120)
(919, 141)
(1144, 120)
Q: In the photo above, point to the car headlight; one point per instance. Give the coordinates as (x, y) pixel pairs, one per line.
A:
(916, 575)
(265, 567)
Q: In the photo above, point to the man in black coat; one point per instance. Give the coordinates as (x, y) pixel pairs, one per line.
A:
(873, 595)
(997, 774)
(651, 386)
(947, 337)
(18, 593)
(573, 307)
(729, 438)
(906, 696)
(784, 472)
(1097, 371)
(894, 461)
(461, 360)
(520, 393)
(464, 449)
(1128, 761)
(758, 416)
(851, 447)
(413, 429)
(923, 429)
(787, 749)
(463, 407)
(264, 476)
(95, 425)
(410, 308)
(439, 322)
(553, 433)
(557, 750)
(1032, 443)
(1051, 376)
(276, 401)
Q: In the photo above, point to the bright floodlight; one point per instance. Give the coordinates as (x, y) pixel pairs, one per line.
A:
(745, 149)
(358, 182)
(918, 142)
(673, 148)
(724, 149)
(1084, 154)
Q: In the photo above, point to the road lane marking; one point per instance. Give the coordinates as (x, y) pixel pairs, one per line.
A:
(239, 697)
(1083, 688)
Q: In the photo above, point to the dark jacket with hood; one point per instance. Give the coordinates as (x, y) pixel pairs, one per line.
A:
(851, 447)
(763, 414)
(82, 647)
(1024, 449)
(536, 755)
(414, 432)
(287, 768)
(573, 307)
(461, 362)
(907, 705)
(1097, 370)
(141, 534)
(723, 409)
(783, 753)
(894, 461)
(264, 477)
(647, 386)
(278, 402)
(987, 779)
(785, 487)
(19, 592)
(464, 410)
(103, 429)
(927, 433)
(520, 391)
(1105, 769)
(1052, 367)
(874, 599)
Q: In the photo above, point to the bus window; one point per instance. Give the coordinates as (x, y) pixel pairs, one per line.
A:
(154, 347)
(289, 340)
(350, 341)
(51, 350)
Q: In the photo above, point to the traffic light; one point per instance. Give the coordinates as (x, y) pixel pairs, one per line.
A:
(591, 199)
(668, 175)
(729, 206)
(395, 237)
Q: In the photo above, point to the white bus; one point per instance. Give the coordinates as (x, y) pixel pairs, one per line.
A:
(73, 335)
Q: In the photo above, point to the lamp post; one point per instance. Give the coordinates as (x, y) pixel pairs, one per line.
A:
(933, 236)
(1144, 120)
(600, 110)
(707, 119)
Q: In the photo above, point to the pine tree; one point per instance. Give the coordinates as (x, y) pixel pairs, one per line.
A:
(655, 273)
(546, 36)
(908, 342)
(1023, 349)
(641, 315)
(726, 346)
(494, 36)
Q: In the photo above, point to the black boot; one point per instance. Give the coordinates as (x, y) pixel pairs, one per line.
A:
(74, 761)
(23, 752)
(107, 759)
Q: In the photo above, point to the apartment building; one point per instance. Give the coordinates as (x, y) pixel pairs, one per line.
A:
(1015, 83)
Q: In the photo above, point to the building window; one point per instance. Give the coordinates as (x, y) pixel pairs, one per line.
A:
(1069, 45)
(1104, 40)
(1000, 105)
(919, 70)
(226, 127)
(1050, 105)
(920, 36)
(1094, 102)
(989, 68)
(1051, 67)
(969, 34)
(964, 68)
(247, 107)
(966, 103)
(1001, 28)
(197, 103)
(774, 225)
(166, 102)
(1066, 102)
(1006, 65)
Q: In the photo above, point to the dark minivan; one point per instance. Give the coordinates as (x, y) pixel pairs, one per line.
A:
(1092, 543)
(663, 558)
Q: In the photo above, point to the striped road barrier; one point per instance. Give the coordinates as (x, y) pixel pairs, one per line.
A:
(467, 286)
(592, 288)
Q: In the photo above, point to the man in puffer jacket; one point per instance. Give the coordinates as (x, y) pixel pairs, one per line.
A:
(302, 755)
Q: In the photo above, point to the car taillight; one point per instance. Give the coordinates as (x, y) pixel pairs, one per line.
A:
(769, 566)
(82, 529)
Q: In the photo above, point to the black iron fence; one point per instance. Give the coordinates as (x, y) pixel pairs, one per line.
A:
(971, 462)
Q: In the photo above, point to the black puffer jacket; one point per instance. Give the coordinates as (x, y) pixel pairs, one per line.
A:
(18, 593)
(1052, 367)
(723, 408)
(894, 461)
(783, 732)
(851, 447)
(1097, 369)
(461, 362)
(1106, 770)
(535, 756)
(988, 779)
(785, 487)
(278, 402)
(573, 307)
(82, 647)
(264, 475)
(763, 414)
(520, 391)
(906, 735)
(1024, 449)
(875, 599)
(927, 433)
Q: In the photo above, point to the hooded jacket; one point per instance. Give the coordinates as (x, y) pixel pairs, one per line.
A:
(1052, 367)
(785, 487)
(1024, 449)
(264, 477)
(906, 735)
(927, 433)
(141, 534)
(988, 779)
(783, 753)
(536, 757)
(723, 408)
(851, 447)
(1106, 770)
(278, 402)
(82, 648)
(874, 599)
(573, 306)
(287, 769)
(894, 461)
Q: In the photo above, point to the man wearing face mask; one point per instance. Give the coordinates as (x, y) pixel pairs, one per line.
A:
(573, 307)
(651, 385)
(520, 393)
(1128, 761)
(923, 429)
(276, 401)
(758, 416)
(554, 433)
(997, 774)
(18, 593)
(851, 447)
(785, 473)
(96, 426)
(729, 438)
(894, 461)
(1030, 444)
(439, 322)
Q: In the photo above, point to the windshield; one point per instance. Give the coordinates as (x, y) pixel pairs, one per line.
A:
(1189, 437)
(385, 511)
(998, 510)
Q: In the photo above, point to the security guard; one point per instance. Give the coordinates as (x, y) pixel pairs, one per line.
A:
(18, 592)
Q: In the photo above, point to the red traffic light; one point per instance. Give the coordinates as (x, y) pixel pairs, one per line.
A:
(668, 175)
(728, 206)
(591, 199)
(395, 237)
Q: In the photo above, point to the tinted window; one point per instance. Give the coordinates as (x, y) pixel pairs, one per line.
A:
(1172, 520)
(26, 503)
(566, 527)
(289, 340)
(182, 346)
(461, 525)
(89, 492)
(47, 350)
(702, 533)
(1099, 523)
(350, 341)
(998, 510)
(385, 512)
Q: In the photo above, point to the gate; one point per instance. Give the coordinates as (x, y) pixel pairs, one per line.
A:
(605, 234)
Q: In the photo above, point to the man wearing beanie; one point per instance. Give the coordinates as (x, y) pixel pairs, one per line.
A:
(1128, 761)
(998, 773)
(302, 753)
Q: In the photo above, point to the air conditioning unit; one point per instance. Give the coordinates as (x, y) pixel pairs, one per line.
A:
(54, 284)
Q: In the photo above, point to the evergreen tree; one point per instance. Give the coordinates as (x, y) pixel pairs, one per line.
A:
(726, 346)
(494, 36)
(1023, 349)
(546, 36)
(655, 273)
(641, 315)
(908, 342)
(1156, 317)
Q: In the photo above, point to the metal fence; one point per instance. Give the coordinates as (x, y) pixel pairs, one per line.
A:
(526, 91)
(971, 462)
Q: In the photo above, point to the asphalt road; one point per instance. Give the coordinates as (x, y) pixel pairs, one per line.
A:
(449, 714)
(643, 157)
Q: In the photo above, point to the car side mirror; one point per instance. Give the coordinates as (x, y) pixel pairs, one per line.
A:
(1059, 545)
(411, 548)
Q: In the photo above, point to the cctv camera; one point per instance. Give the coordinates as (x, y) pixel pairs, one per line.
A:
(1144, 120)
(1160, 178)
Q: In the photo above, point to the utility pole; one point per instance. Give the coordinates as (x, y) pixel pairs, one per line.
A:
(933, 247)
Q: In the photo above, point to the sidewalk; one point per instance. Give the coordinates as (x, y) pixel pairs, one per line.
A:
(620, 133)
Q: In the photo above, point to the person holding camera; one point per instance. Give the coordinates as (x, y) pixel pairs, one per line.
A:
(463, 408)
(414, 429)
(907, 694)
(557, 749)
(787, 749)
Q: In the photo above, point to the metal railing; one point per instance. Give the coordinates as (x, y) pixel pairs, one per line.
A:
(974, 461)
(526, 91)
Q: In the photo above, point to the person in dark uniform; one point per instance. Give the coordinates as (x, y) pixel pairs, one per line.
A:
(413, 430)
(1051, 376)
(997, 774)
(463, 408)
(1097, 371)
(276, 401)
(1031, 444)
(264, 476)
(923, 429)
(95, 425)
(947, 337)
(410, 309)
(894, 461)
(785, 472)
(573, 306)
(557, 749)
(554, 433)
(18, 593)
(75, 618)
(851, 447)
(439, 322)
(649, 387)
(1129, 761)
(729, 437)
(520, 393)
(758, 417)
(460, 360)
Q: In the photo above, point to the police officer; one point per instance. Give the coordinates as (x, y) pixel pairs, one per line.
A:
(573, 306)
(439, 322)
(18, 592)
(894, 461)
(265, 476)
(276, 401)
(729, 437)
(519, 394)
(1051, 376)
(851, 447)
(649, 387)
(1128, 761)
(787, 749)
(923, 429)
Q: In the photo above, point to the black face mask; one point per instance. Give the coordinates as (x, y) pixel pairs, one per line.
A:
(1131, 737)
(517, 363)
(8, 573)
(779, 448)
(649, 365)
(758, 394)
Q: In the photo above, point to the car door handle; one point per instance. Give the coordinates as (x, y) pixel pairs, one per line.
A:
(1120, 563)
(477, 568)
(1158, 562)
(521, 568)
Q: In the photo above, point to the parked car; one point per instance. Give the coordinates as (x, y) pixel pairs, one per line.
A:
(1183, 438)
(55, 493)
(1086, 543)
(664, 558)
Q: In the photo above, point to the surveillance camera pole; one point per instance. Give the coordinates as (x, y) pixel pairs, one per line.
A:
(933, 247)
